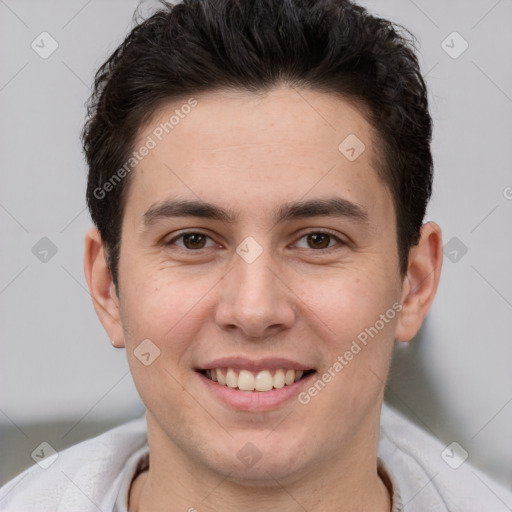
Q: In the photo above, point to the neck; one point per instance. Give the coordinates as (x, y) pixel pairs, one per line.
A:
(339, 483)
(150, 495)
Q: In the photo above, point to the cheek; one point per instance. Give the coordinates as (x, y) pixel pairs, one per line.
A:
(161, 322)
(151, 297)
(168, 308)
(349, 304)
(358, 318)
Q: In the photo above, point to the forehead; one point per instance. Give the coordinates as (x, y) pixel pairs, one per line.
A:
(240, 149)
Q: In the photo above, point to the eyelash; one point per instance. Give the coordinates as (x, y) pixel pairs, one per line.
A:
(323, 232)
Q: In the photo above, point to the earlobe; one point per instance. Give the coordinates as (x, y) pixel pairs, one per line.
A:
(101, 287)
(421, 282)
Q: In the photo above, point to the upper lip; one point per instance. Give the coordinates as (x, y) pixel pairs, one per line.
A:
(255, 365)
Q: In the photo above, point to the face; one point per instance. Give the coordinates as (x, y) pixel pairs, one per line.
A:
(291, 272)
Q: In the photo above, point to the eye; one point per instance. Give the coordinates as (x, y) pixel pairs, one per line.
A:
(192, 240)
(195, 240)
(320, 240)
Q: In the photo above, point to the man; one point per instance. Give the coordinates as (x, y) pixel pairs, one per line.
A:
(258, 178)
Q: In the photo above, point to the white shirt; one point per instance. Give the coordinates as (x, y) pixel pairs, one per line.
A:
(96, 474)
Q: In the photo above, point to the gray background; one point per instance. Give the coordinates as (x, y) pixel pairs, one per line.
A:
(60, 379)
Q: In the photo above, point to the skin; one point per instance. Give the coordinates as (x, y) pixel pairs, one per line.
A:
(299, 300)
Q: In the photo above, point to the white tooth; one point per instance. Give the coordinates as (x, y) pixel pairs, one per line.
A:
(263, 381)
(246, 381)
(231, 378)
(279, 379)
(289, 377)
(221, 378)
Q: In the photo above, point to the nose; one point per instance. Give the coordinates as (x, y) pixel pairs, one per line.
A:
(255, 298)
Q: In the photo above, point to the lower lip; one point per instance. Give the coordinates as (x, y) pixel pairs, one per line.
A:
(255, 400)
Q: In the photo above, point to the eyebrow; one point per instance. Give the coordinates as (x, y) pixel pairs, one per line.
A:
(330, 207)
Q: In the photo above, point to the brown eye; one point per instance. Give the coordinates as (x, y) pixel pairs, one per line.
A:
(194, 241)
(191, 240)
(319, 240)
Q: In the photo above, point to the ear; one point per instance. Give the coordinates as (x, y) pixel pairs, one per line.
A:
(420, 283)
(101, 287)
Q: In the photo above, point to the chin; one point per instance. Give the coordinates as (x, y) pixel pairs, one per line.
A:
(258, 462)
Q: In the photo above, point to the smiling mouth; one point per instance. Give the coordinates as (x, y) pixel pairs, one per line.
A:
(264, 380)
